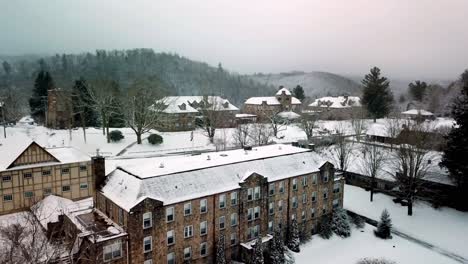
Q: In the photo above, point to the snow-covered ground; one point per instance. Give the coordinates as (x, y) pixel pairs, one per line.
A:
(364, 244)
(445, 227)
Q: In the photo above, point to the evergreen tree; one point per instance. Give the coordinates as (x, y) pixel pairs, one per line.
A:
(340, 223)
(293, 239)
(384, 227)
(456, 149)
(276, 248)
(84, 113)
(417, 90)
(257, 254)
(377, 97)
(298, 92)
(38, 100)
(220, 253)
(325, 230)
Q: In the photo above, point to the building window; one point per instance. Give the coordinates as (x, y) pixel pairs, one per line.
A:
(293, 216)
(148, 261)
(253, 232)
(314, 179)
(336, 187)
(147, 244)
(170, 214)
(325, 193)
(257, 192)
(312, 212)
(270, 227)
(304, 198)
(294, 184)
(233, 239)
(171, 258)
(324, 209)
(304, 181)
(271, 189)
(113, 251)
(281, 186)
(47, 191)
(187, 253)
(234, 198)
(314, 196)
(250, 214)
(28, 194)
(271, 208)
(250, 194)
(170, 237)
(294, 202)
(325, 176)
(203, 249)
(83, 168)
(303, 216)
(187, 208)
(6, 178)
(66, 171)
(222, 201)
(336, 203)
(203, 206)
(7, 197)
(188, 231)
(46, 173)
(147, 220)
(66, 188)
(233, 219)
(222, 221)
(257, 212)
(203, 228)
(83, 186)
(28, 175)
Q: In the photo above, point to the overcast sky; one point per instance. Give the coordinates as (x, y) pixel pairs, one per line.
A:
(405, 38)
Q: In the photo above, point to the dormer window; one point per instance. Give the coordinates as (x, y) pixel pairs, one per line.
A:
(226, 104)
(183, 106)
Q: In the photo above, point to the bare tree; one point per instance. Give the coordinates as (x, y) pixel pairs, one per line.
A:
(371, 163)
(308, 123)
(393, 127)
(342, 148)
(277, 123)
(11, 107)
(242, 135)
(211, 115)
(261, 134)
(143, 106)
(358, 122)
(412, 163)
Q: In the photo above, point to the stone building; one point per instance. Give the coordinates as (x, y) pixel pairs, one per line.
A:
(181, 112)
(339, 107)
(30, 172)
(175, 209)
(58, 114)
(264, 107)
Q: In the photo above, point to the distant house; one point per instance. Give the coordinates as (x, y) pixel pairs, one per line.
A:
(339, 107)
(262, 107)
(181, 112)
(418, 114)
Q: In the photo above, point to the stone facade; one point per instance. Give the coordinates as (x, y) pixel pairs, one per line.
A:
(265, 107)
(58, 109)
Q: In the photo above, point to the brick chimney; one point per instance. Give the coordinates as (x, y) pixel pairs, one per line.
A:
(98, 167)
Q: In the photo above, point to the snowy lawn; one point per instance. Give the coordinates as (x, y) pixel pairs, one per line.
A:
(364, 244)
(445, 227)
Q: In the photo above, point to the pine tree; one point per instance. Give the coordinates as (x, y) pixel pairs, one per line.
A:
(298, 92)
(377, 97)
(293, 239)
(340, 223)
(37, 102)
(417, 90)
(276, 248)
(83, 105)
(384, 227)
(456, 150)
(325, 230)
(257, 255)
(220, 253)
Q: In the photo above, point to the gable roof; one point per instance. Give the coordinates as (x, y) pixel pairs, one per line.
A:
(418, 112)
(285, 90)
(174, 104)
(189, 177)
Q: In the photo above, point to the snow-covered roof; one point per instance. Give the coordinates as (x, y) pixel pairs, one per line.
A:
(377, 129)
(184, 104)
(175, 179)
(245, 115)
(337, 102)
(11, 148)
(418, 112)
(269, 100)
(285, 90)
(289, 115)
(250, 244)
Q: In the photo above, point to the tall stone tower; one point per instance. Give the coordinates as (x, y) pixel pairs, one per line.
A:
(284, 97)
(58, 109)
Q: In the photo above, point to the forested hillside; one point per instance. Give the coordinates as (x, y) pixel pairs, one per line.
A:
(182, 76)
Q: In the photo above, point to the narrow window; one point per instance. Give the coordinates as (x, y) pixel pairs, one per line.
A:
(170, 237)
(257, 192)
(222, 201)
(294, 184)
(187, 253)
(281, 186)
(203, 206)
(271, 189)
(66, 188)
(222, 223)
(203, 249)
(147, 220)
(271, 208)
(233, 219)
(203, 228)
(280, 205)
(170, 214)
(187, 208)
(188, 231)
(250, 194)
(171, 258)
(147, 244)
(234, 198)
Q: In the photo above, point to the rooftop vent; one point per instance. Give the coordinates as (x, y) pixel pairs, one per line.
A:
(247, 147)
(223, 155)
(208, 157)
(161, 165)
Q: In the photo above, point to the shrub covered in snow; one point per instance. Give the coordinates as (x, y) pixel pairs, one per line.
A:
(375, 261)
(116, 135)
(340, 223)
(384, 227)
(324, 227)
(155, 139)
(276, 249)
(358, 221)
(257, 256)
(293, 237)
(289, 258)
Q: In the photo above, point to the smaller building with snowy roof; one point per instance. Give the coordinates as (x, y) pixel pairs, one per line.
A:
(335, 107)
(265, 107)
(418, 114)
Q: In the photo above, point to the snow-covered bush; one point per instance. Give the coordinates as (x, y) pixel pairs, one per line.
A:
(340, 223)
(289, 257)
(304, 236)
(257, 256)
(384, 227)
(358, 221)
(324, 228)
(155, 139)
(276, 249)
(293, 238)
(375, 261)
(116, 135)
